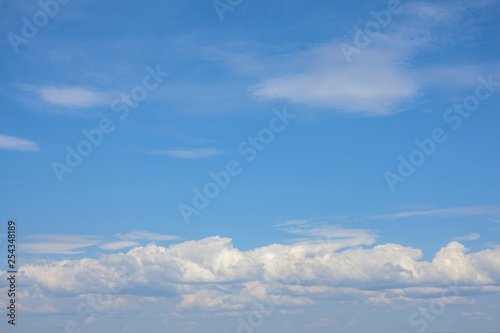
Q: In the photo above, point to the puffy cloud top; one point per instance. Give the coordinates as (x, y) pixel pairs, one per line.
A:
(215, 260)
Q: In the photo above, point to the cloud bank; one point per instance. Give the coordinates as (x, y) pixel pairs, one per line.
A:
(212, 275)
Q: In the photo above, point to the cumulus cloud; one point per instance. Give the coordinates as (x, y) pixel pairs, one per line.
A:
(214, 259)
(212, 275)
(208, 300)
(453, 262)
(12, 143)
(325, 262)
(34, 301)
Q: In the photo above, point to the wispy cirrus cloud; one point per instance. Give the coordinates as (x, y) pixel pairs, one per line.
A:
(327, 236)
(12, 143)
(476, 315)
(75, 244)
(381, 77)
(316, 229)
(354, 89)
(118, 245)
(59, 244)
(469, 211)
(146, 235)
(472, 236)
(189, 153)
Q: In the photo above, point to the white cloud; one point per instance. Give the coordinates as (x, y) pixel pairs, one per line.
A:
(39, 309)
(208, 300)
(373, 85)
(108, 302)
(320, 322)
(291, 312)
(210, 274)
(190, 153)
(13, 143)
(118, 245)
(58, 244)
(77, 97)
(73, 244)
(34, 301)
(477, 315)
(327, 237)
(382, 299)
(149, 299)
(351, 323)
(472, 236)
(383, 77)
(453, 262)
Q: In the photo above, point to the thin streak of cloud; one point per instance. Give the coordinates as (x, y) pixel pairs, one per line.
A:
(12, 143)
(146, 235)
(469, 211)
(59, 244)
(333, 237)
(118, 245)
(321, 322)
(189, 153)
(472, 236)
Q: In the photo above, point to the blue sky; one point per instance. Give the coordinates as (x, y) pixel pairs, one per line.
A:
(338, 195)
